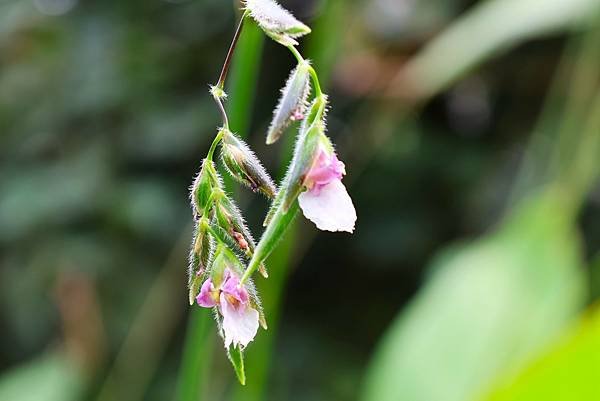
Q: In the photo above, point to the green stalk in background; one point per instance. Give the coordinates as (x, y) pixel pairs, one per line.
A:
(197, 354)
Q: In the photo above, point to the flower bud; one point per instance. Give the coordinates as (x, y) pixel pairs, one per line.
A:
(276, 21)
(292, 104)
(204, 184)
(244, 166)
(198, 260)
(231, 221)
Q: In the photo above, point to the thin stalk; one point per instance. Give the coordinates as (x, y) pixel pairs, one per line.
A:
(311, 70)
(227, 63)
(214, 144)
(217, 91)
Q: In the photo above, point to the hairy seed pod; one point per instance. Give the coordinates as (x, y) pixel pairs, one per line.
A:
(244, 166)
(292, 104)
(276, 21)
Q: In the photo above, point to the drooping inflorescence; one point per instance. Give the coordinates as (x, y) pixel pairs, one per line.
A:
(224, 255)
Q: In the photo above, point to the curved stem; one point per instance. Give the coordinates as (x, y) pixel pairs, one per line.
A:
(311, 70)
(214, 144)
(222, 110)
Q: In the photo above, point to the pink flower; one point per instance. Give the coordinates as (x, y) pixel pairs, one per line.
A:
(240, 320)
(326, 201)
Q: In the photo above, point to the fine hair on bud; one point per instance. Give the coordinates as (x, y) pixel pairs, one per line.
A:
(276, 21)
(201, 253)
(202, 188)
(244, 166)
(292, 103)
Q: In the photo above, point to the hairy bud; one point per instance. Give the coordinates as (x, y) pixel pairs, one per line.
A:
(244, 166)
(206, 180)
(276, 21)
(292, 104)
(199, 260)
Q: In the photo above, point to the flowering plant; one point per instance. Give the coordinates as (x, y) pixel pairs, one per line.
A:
(224, 255)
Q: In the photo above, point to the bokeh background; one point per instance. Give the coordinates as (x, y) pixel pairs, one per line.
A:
(470, 131)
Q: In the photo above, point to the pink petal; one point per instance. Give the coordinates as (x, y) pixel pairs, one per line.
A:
(231, 287)
(206, 298)
(240, 324)
(331, 208)
(326, 168)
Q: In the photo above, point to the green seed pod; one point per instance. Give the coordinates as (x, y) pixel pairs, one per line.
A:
(292, 104)
(244, 166)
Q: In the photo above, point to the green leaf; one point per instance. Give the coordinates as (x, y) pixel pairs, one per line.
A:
(50, 378)
(236, 357)
(497, 25)
(488, 307)
(567, 372)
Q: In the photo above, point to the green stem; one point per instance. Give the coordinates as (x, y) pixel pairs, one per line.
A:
(214, 144)
(273, 234)
(227, 63)
(311, 70)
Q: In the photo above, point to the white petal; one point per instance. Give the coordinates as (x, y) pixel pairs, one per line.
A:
(239, 326)
(331, 209)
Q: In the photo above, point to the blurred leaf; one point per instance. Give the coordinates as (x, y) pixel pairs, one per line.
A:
(490, 27)
(569, 371)
(49, 378)
(488, 307)
(51, 193)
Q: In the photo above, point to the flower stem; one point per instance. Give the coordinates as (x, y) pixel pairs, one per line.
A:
(217, 91)
(215, 142)
(311, 70)
(227, 63)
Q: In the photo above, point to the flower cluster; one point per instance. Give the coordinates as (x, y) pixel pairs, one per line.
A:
(224, 255)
